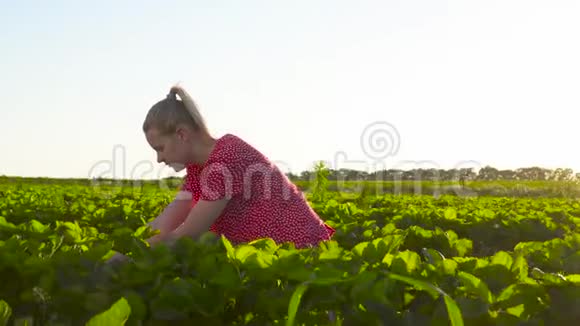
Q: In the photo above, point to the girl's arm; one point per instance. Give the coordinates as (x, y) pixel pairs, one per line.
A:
(172, 216)
(197, 222)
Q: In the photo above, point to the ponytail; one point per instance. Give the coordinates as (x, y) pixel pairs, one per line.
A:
(189, 106)
(168, 113)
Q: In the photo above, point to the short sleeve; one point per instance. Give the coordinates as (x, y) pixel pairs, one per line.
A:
(220, 180)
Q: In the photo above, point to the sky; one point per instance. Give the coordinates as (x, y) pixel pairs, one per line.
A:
(358, 84)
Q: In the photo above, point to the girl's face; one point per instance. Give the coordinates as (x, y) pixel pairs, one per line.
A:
(172, 149)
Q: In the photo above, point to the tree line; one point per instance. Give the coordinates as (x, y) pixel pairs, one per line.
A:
(487, 173)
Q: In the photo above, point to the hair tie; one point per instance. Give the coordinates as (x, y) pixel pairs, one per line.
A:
(172, 96)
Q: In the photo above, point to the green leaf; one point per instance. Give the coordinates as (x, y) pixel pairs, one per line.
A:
(208, 238)
(554, 279)
(37, 227)
(227, 277)
(229, 248)
(448, 266)
(537, 273)
(463, 247)
(474, 284)
(5, 313)
(452, 309)
(502, 258)
(328, 275)
(529, 295)
(137, 304)
(243, 252)
(573, 278)
(359, 248)
(330, 250)
(472, 308)
(5, 225)
(450, 213)
(295, 303)
(141, 231)
(175, 299)
(260, 259)
(432, 256)
(363, 285)
(496, 276)
(421, 285)
(406, 261)
(520, 267)
(116, 315)
(292, 267)
(265, 244)
(127, 210)
(100, 250)
(516, 310)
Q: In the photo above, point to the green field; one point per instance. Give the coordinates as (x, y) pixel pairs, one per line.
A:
(485, 253)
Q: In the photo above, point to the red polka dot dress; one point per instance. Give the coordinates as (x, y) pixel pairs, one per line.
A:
(263, 203)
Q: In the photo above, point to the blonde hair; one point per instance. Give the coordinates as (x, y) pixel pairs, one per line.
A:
(167, 114)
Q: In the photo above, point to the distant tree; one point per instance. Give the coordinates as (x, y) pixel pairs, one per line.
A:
(507, 175)
(533, 173)
(488, 173)
(292, 176)
(561, 174)
(305, 175)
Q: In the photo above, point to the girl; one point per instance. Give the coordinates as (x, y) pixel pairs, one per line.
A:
(230, 188)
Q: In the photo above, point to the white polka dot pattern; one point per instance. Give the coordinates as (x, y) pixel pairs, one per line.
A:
(263, 201)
